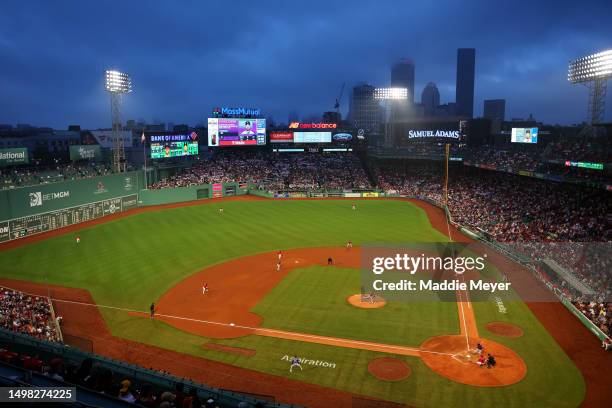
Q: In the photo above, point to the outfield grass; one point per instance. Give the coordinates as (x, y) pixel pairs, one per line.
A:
(146, 254)
(132, 261)
(313, 300)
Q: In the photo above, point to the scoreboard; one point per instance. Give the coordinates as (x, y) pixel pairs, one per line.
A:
(36, 224)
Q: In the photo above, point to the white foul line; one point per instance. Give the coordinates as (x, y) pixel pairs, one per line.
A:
(261, 329)
(467, 340)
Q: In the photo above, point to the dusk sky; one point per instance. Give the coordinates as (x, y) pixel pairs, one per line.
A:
(186, 57)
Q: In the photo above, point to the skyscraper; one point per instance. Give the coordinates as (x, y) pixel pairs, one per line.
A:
(430, 99)
(464, 95)
(365, 110)
(495, 110)
(402, 76)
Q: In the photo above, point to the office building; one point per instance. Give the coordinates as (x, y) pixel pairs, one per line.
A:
(464, 91)
(365, 110)
(495, 111)
(430, 99)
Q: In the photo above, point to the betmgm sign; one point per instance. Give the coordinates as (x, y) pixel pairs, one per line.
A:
(37, 197)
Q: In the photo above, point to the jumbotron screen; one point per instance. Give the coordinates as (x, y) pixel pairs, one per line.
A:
(524, 135)
(236, 132)
(167, 146)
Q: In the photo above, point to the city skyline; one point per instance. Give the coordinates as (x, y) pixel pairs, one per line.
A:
(183, 64)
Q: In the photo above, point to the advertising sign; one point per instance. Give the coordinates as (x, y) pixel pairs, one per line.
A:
(85, 152)
(236, 132)
(241, 111)
(217, 190)
(281, 137)
(584, 165)
(312, 137)
(106, 139)
(452, 134)
(342, 137)
(299, 125)
(18, 155)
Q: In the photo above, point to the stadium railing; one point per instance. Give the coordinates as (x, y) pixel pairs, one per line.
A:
(24, 343)
(17, 377)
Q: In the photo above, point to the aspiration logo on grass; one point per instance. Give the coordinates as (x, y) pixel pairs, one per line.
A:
(309, 361)
(431, 272)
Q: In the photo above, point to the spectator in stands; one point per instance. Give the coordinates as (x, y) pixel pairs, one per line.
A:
(192, 400)
(147, 396)
(56, 369)
(125, 392)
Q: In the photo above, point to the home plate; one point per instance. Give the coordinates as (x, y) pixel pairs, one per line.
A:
(232, 324)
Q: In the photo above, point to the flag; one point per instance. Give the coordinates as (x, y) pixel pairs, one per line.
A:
(143, 138)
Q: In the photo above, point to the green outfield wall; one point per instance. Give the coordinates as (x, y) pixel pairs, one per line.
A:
(191, 193)
(42, 198)
(31, 210)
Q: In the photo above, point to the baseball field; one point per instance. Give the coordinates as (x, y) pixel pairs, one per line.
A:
(242, 333)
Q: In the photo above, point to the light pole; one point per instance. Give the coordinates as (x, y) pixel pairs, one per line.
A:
(117, 84)
(594, 71)
(386, 95)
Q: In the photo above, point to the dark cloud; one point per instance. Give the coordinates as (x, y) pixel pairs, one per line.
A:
(186, 57)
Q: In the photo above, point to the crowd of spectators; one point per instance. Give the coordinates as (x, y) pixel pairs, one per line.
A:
(275, 171)
(509, 207)
(599, 313)
(579, 149)
(98, 377)
(29, 314)
(528, 160)
(529, 214)
(23, 176)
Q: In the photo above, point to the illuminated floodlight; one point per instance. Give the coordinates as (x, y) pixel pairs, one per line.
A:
(593, 71)
(118, 82)
(591, 67)
(384, 94)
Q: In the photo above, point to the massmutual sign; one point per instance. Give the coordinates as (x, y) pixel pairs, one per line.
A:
(414, 134)
(241, 111)
(9, 157)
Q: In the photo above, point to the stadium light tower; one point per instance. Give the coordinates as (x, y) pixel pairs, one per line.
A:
(393, 95)
(117, 84)
(396, 94)
(593, 71)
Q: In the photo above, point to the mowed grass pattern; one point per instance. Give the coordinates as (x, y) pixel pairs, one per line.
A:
(313, 300)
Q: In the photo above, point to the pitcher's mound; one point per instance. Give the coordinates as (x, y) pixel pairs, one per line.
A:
(504, 329)
(389, 369)
(364, 302)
